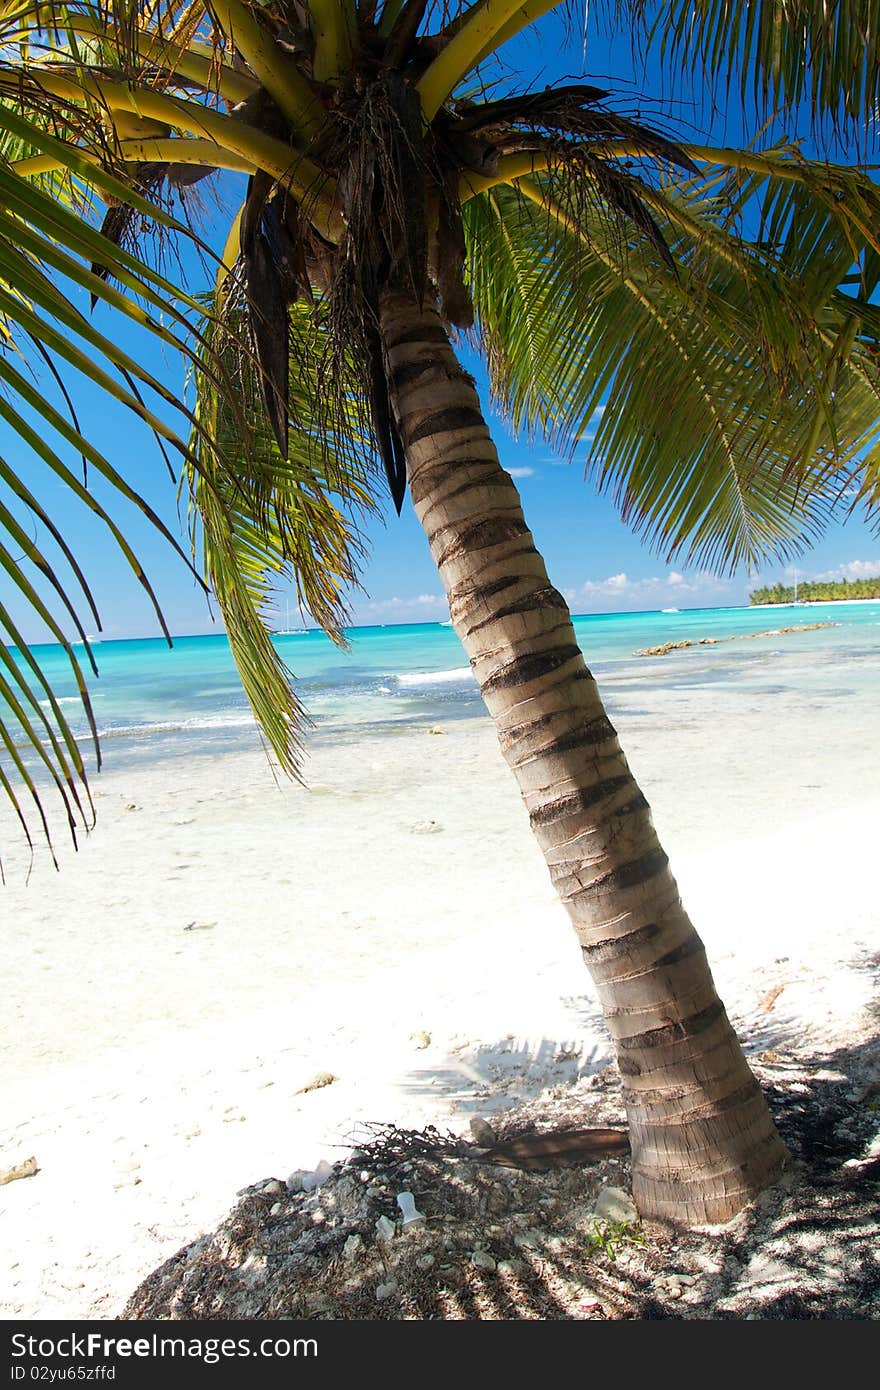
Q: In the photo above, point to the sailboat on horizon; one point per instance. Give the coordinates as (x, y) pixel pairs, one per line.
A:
(287, 630)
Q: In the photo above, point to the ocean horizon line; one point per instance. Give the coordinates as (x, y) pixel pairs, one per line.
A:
(98, 639)
(155, 702)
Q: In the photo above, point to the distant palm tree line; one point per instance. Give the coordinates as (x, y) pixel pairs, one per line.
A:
(818, 592)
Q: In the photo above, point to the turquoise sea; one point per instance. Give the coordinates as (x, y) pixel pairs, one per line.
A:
(152, 702)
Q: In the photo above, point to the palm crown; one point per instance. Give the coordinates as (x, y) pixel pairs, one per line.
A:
(716, 302)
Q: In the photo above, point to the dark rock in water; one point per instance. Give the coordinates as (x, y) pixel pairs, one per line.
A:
(666, 647)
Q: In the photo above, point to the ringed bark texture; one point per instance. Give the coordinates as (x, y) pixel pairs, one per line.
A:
(703, 1141)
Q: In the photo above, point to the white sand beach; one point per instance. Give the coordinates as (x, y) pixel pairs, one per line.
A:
(219, 942)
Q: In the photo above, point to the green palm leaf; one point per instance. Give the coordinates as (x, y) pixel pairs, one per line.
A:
(783, 52)
(35, 219)
(261, 521)
(709, 454)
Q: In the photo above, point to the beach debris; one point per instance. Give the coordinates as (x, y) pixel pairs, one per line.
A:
(319, 1080)
(482, 1131)
(666, 647)
(498, 1199)
(427, 827)
(353, 1247)
(563, 1148)
(530, 1239)
(408, 1210)
(613, 1204)
(866, 1092)
(132, 806)
(318, 1177)
(420, 1040)
(127, 1180)
(588, 1303)
(385, 1229)
(27, 1169)
(767, 1001)
(670, 1286)
(272, 1187)
(436, 730)
(481, 1259)
(556, 1253)
(200, 926)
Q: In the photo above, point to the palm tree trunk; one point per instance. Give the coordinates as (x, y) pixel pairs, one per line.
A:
(703, 1141)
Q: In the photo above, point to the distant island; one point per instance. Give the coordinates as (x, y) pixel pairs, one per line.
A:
(831, 592)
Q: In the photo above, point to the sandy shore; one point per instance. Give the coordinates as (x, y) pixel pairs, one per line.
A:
(219, 942)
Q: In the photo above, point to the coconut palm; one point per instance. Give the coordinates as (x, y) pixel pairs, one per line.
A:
(714, 302)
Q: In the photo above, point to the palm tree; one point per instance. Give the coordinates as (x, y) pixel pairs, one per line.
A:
(715, 302)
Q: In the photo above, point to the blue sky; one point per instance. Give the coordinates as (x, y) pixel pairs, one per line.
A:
(590, 555)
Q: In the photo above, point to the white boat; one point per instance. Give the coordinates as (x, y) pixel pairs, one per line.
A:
(287, 630)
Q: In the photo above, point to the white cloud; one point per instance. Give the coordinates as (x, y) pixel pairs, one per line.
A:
(852, 569)
(619, 592)
(419, 600)
(521, 472)
(400, 608)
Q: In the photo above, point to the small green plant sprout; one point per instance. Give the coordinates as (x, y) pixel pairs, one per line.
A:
(608, 1237)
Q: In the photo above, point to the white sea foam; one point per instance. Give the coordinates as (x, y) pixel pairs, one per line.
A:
(417, 678)
(239, 720)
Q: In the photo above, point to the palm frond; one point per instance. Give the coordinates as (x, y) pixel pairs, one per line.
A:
(262, 520)
(45, 251)
(716, 444)
(782, 53)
